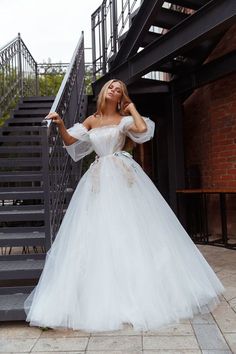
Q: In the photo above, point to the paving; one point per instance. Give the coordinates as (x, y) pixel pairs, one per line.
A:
(214, 333)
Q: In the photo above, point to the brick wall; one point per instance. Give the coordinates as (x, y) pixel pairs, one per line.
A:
(210, 125)
(210, 134)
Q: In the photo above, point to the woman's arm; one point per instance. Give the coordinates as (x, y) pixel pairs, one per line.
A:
(66, 137)
(139, 125)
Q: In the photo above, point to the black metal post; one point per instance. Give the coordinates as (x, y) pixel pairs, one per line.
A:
(104, 39)
(114, 25)
(20, 72)
(223, 215)
(36, 80)
(46, 188)
(175, 153)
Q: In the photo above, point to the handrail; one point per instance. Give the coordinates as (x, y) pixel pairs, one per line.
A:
(18, 73)
(60, 173)
(60, 94)
(9, 43)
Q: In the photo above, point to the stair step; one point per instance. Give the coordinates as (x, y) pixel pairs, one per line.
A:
(21, 195)
(147, 39)
(10, 290)
(24, 122)
(21, 215)
(40, 112)
(14, 162)
(20, 176)
(23, 257)
(21, 129)
(190, 4)
(20, 149)
(21, 269)
(38, 99)
(35, 105)
(21, 138)
(12, 307)
(20, 189)
(169, 18)
(23, 229)
(22, 239)
(21, 207)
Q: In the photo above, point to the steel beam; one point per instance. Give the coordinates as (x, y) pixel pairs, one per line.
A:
(211, 19)
(208, 73)
(149, 86)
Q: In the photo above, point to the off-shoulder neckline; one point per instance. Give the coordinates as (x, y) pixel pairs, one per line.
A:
(107, 125)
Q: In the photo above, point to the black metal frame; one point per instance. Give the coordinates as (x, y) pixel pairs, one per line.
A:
(179, 53)
(210, 20)
(206, 74)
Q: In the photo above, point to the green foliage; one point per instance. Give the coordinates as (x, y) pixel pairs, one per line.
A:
(88, 78)
(49, 84)
(50, 78)
(6, 115)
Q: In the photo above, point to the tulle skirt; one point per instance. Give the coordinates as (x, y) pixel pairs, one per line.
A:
(121, 255)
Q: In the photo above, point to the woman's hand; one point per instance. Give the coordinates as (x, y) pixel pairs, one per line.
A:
(66, 137)
(54, 116)
(129, 108)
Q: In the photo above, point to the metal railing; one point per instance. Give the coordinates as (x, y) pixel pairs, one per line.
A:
(60, 173)
(18, 73)
(22, 76)
(108, 23)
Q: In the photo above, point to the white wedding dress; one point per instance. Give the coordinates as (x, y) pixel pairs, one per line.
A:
(120, 255)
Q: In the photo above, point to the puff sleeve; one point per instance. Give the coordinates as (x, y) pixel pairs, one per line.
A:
(83, 146)
(138, 137)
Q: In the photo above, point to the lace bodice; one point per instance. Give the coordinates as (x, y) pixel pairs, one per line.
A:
(105, 140)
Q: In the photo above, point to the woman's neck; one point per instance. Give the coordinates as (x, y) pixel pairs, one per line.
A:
(110, 110)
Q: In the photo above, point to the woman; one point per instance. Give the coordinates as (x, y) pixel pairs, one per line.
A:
(120, 255)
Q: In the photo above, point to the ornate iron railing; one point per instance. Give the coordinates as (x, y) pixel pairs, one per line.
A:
(18, 73)
(108, 23)
(60, 173)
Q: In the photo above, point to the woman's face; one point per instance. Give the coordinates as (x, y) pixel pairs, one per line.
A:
(114, 92)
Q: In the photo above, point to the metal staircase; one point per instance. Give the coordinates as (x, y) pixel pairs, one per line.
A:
(21, 182)
(22, 211)
(164, 41)
(37, 180)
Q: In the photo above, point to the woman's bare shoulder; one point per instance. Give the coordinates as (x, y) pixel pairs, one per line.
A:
(89, 122)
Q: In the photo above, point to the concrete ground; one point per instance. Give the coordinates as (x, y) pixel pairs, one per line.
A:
(214, 333)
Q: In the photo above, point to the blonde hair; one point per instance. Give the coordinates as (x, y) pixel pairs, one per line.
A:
(101, 101)
(125, 100)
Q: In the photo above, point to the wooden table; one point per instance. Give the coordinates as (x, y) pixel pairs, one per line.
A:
(203, 192)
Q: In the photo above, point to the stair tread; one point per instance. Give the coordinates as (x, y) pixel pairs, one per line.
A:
(21, 173)
(35, 148)
(24, 265)
(12, 302)
(21, 235)
(38, 98)
(21, 212)
(21, 192)
(22, 128)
